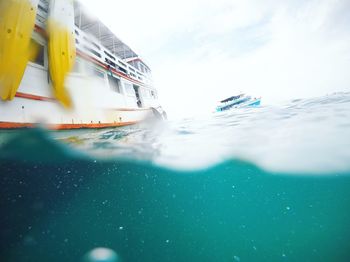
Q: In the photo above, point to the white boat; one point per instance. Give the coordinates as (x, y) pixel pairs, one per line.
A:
(83, 76)
(238, 101)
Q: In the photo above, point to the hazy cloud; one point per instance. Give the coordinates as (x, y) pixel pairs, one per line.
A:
(202, 51)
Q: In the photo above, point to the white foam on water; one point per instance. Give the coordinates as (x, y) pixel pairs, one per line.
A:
(301, 136)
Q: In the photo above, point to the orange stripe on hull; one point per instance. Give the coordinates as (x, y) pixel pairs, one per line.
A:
(34, 97)
(11, 125)
(41, 31)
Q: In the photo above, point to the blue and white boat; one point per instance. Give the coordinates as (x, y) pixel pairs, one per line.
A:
(238, 101)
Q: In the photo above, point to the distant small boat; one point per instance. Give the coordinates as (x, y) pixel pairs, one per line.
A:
(238, 101)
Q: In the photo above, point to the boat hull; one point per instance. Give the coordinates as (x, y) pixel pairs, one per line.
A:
(33, 111)
(256, 102)
(95, 106)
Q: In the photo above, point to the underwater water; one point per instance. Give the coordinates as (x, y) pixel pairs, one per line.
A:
(254, 184)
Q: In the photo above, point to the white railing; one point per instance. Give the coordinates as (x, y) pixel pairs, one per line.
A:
(89, 44)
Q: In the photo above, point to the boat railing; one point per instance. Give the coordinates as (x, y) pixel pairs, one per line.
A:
(42, 13)
(88, 43)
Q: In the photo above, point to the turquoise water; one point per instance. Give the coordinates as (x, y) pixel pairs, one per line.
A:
(262, 184)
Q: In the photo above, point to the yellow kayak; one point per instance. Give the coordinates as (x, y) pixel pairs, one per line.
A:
(17, 20)
(61, 46)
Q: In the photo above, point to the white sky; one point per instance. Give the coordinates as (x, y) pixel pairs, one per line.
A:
(201, 51)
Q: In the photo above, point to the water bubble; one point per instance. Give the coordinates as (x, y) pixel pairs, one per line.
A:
(236, 259)
(101, 254)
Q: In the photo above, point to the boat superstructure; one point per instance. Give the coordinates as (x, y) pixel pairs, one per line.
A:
(237, 101)
(108, 85)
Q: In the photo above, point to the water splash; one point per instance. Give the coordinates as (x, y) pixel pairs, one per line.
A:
(304, 135)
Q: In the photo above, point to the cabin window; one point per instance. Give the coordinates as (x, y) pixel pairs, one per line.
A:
(146, 93)
(98, 73)
(153, 94)
(96, 45)
(76, 68)
(114, 84)
(39, 59)
(122, 69)
(93, 51)
(41, 8)
(129, 89)
(110, 62)
(109, 55)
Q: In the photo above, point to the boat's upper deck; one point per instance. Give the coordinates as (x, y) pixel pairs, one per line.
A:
(97, 40)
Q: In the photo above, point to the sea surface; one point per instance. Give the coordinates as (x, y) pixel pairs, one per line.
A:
(270, 183)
